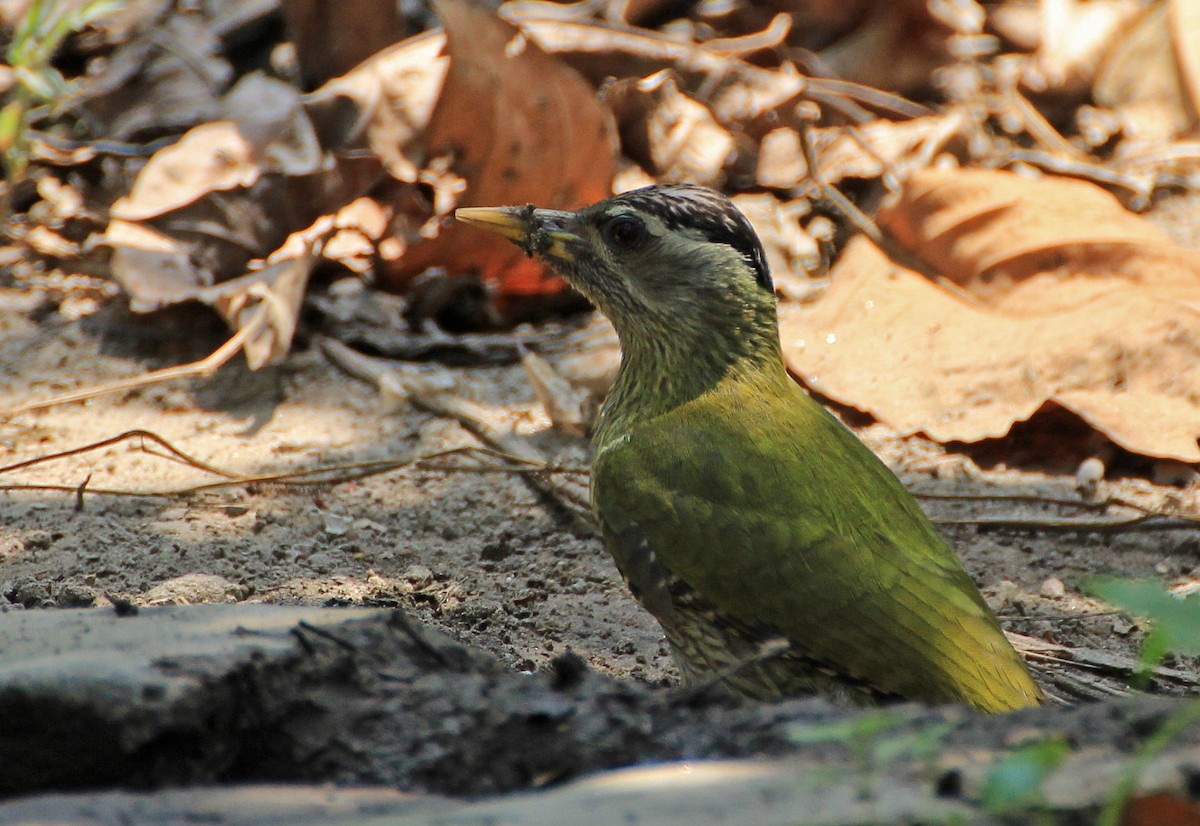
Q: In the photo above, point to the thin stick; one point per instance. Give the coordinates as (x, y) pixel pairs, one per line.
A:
(203, 368)
(174, 453)
(470, 415)
(1145, 521)
(306, 478)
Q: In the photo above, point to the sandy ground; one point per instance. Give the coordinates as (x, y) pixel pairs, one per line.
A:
(480, 555)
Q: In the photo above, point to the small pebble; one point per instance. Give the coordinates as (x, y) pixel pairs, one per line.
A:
(193, 589)
(75, 595)
(417, 575)
(1089, 476)
(1054, 588)
(337, 525)
(1006, 593)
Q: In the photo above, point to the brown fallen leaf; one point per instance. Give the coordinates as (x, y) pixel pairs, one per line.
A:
(519, 126)
(202, 208)
(734, 90)
(1058, 296)
(1030, 246)
(154, 269)
(1074, 37)
(884, 146)
(211, 157)
(1185, 39)
(674, 136)
(333, 36)
(1160, 810)
(164, 78)
(261, 130)
(277, 287)
(781, 163)
(201, 186)
(384, 104)
(1148, 74)
(565, 404)
(893, 45)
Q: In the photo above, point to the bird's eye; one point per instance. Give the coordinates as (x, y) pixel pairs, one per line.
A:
(625, 233)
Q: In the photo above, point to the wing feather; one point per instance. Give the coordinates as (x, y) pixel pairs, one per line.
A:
(781, 518)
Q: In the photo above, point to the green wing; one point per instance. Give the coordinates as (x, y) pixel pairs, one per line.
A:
(780, 517)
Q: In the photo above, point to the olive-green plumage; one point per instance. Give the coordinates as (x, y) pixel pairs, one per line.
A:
(780, 556)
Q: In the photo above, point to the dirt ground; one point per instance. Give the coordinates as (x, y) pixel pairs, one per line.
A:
(482, 556)
(478, 555)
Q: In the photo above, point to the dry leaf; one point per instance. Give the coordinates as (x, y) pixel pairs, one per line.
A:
(45, 241)
(675, 137)
(63, 201)
(735, 91)
(1185, 39)
(384, 104)
(1031, 246)
(781, 163)
(200, 187)
(280, 288)
(884, 146)
(894, 45)
(228, 192)
(266, 131)
(210, 157)
(333, 37)
(1032, 320)
(1141, 75)
(154, 269)
(564, 403)
(1074, 38)
(359, 227)
(520, 127)
(166, 78)
(269, 115)
(1162, 809)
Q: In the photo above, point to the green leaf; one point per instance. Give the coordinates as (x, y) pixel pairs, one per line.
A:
(78, 19)
(1015, 781)
(93, 11)
(1176, 619)
(10, 125)
(922, 743)
(46, 24)
(43, 84)
(843, 731)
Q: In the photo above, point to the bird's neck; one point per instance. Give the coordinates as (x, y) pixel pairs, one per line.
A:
(662, 369)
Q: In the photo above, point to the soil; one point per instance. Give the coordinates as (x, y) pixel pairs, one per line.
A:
(486, 558)
(481, 556)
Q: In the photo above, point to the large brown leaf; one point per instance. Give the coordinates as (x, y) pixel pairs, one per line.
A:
(519, 126)
(1051, 293)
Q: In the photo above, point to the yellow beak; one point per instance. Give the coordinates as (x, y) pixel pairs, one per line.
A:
(537, 231)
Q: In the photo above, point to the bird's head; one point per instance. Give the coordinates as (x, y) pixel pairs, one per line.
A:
(661, 259)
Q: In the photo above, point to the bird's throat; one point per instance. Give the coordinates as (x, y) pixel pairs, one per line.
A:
(662, 370)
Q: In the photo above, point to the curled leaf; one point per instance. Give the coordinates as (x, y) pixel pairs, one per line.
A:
(1047, 292)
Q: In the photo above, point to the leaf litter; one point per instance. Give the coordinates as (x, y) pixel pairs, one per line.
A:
(993, 298)
(1036, 292)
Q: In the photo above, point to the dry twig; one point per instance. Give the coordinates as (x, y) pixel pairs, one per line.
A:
(203, 368)
(488, 461)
